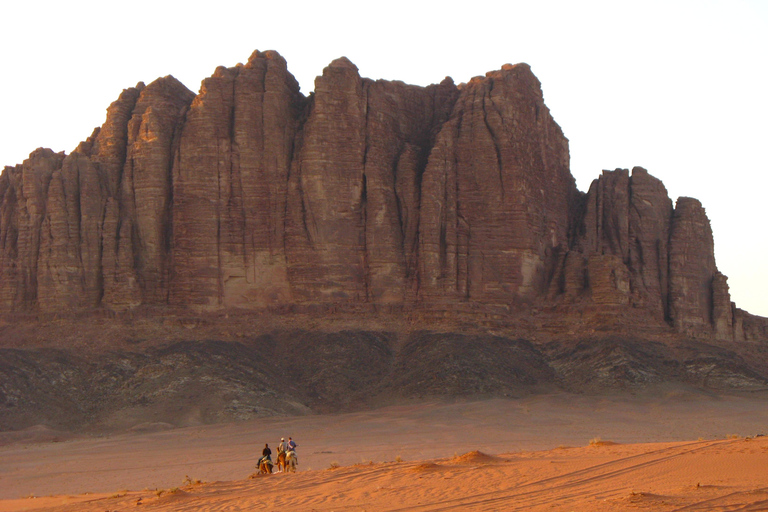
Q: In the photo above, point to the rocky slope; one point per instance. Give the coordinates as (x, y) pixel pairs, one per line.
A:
(299, 372)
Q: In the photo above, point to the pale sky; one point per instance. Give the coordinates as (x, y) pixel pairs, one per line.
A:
(678, 87)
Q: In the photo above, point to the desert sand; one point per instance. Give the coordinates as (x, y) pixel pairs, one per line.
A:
(662, 450)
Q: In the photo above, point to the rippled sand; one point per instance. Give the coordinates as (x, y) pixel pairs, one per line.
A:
(561, 452)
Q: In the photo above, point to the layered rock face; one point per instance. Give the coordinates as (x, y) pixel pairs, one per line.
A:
(632, 249)
(355, 186)
(92, 228)
(497, 194)
(230, 184)
(250, 194)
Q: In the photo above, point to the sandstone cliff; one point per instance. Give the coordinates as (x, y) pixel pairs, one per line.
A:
(451, 198)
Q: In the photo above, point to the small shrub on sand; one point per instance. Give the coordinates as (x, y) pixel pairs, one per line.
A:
(334, 465)
(191, 481)
(733, 436)
(398, 459)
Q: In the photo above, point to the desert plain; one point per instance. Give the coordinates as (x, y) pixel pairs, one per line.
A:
(667, 448)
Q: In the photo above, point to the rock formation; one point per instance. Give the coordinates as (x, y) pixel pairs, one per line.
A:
(251, 195)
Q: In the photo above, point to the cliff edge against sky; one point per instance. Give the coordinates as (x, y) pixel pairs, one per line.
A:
(451, 198)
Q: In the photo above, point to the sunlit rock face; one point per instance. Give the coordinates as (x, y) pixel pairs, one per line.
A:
(451, 197)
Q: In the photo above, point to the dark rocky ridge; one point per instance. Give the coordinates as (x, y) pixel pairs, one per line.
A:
(300, 372)
(378, 218)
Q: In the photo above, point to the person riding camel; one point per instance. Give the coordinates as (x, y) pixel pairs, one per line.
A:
(291, 460)
(266, 454)
(265, 462)
(281, 449)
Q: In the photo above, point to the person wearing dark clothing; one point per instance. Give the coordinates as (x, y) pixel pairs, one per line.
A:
(265, 462)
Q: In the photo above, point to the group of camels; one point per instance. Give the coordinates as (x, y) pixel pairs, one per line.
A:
(286, 461)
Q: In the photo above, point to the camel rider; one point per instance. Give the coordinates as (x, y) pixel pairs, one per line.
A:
(266, 454)
(291, 459)
(281, 455)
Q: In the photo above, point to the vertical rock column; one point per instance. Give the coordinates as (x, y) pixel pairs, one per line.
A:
(650, 215)
(625, 238)
(9, 237)
(24, 205)
(146, 185)
(201, 178)
(691, 268)
(607, 215)
(496, 194)
(327, 255)
(109, 150)
(70, 273)
(37, 172)
(722, 308)
(606, 238)
(267, 106)
(400, 123)
(230, 185)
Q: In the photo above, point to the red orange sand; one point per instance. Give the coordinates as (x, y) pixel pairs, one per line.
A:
(612, 474)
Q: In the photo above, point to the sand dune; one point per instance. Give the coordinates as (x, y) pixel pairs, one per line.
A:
(414, 458)
(698, 475)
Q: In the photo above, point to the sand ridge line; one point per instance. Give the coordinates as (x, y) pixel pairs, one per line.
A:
(504, 494)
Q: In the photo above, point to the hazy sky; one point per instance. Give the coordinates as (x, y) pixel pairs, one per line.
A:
(678, 87)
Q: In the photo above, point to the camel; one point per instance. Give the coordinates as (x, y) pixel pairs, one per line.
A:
(265, 466)
(291, 461)
(280, 462)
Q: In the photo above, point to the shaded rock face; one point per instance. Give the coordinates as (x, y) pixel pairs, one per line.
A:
(92, 228)
(634, 249)
(230, 184)
(496, 194)
(624, 234)
(356, 186)
(628, 218)
(250, 194)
